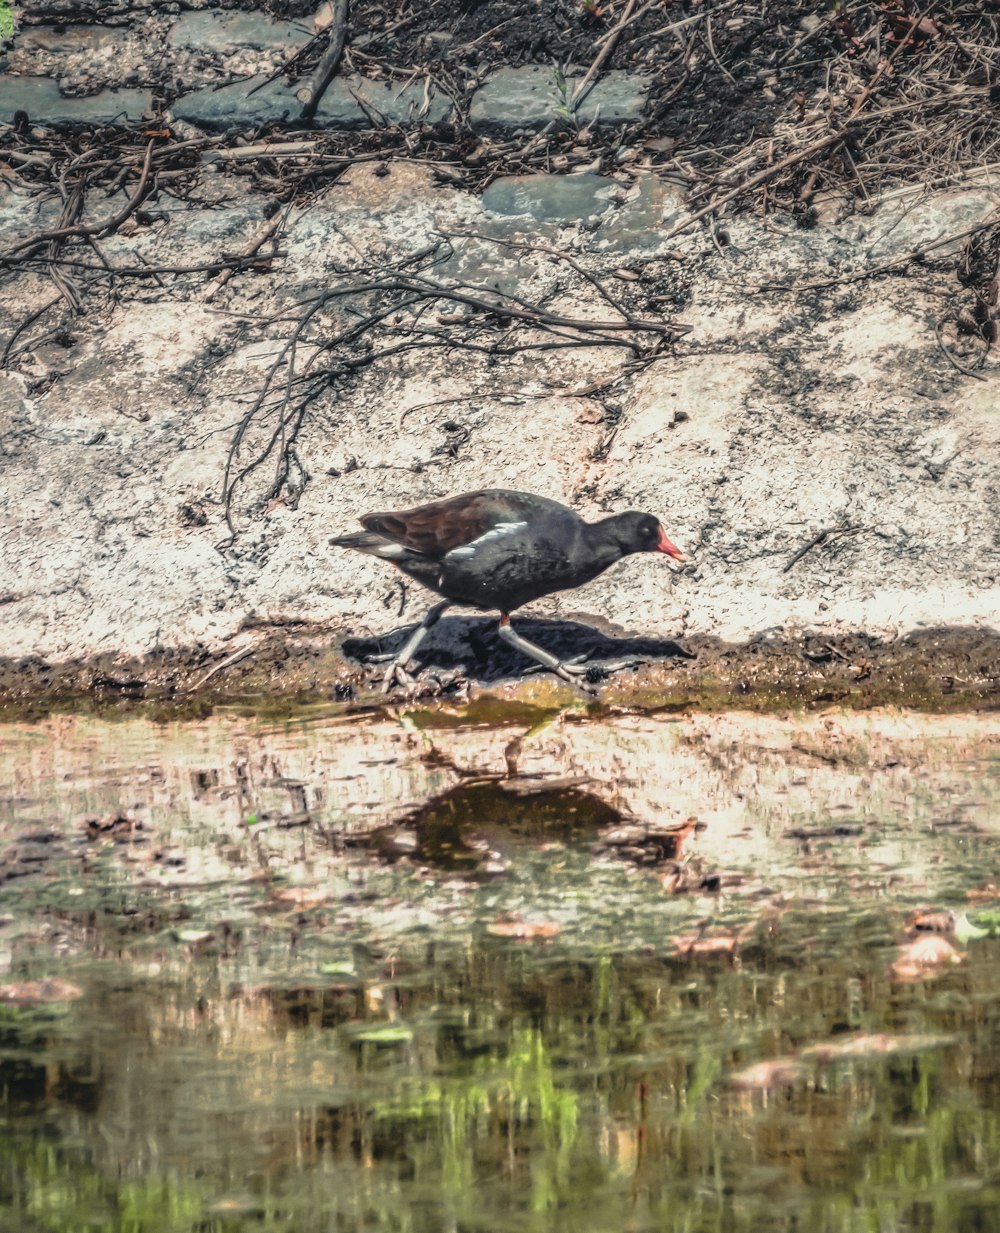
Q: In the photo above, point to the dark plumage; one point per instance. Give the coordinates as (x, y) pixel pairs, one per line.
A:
(501, 549)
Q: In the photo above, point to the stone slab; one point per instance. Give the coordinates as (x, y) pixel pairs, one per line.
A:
(621, 219)
(235, 106)
(40, 98)
(532, 97)
(548, 198)
(353, 103)
(221, 32)
(112, 12)
(350, 104)
(69, 40)
(651, 209)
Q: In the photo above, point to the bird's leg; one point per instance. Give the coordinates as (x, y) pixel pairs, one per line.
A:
(569, 669)
(397, 669)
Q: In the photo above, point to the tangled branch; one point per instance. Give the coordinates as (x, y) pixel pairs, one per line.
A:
(392, 313)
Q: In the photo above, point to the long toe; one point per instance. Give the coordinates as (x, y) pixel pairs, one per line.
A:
(593, 673)
(571, 665)
(578, 676)
(619, 666)
(449, 681)
(396, 674)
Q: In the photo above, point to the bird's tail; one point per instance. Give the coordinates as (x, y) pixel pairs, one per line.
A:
(368, 541)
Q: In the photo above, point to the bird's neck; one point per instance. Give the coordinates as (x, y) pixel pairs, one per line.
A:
(604, 543)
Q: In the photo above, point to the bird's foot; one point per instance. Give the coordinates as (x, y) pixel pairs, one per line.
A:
(574, 670)
(431, 684)
(605, 670)
(571, 665)
(396, 674)
(577, 671)
(578, 675)
(454, 683)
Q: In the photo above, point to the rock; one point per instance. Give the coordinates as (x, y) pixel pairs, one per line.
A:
(651, 208)
(904, 226)
(236, 107)
(112, 12)
(221, 32)
(352, 103)
(40, 98)
(68, 40)
(532, 97)
(544, 197)
(618, 836)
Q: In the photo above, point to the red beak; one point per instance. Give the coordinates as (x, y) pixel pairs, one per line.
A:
(664, 545)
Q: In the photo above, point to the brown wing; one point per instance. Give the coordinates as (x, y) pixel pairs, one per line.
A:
(439, 526)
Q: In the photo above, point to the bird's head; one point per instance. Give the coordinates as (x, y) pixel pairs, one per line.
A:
(643, 533)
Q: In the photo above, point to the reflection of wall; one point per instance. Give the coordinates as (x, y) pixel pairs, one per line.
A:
(746, 778)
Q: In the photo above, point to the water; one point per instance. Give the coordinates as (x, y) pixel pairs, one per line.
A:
(409, 972)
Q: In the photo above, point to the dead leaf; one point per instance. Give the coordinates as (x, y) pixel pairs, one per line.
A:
(112, 824)
(935, 921)
(665, 145)
(39, 992)
(591, 415)
(696, 947)
(674, 880)
(924, 956)
(872, 1044)
(300, 896)
(524, 930)
(776, 1072)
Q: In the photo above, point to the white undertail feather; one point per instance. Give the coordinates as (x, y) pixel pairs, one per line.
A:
(373, 544)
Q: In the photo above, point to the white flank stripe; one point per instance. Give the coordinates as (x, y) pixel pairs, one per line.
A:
(498, 532)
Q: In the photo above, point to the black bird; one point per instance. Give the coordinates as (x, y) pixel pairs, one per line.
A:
(501, 549)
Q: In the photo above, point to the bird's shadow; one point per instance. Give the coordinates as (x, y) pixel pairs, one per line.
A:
(473, 644)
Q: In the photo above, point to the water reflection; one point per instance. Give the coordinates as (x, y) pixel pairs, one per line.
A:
(283, 1025)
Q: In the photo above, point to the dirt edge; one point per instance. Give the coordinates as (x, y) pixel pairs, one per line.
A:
(278, 669)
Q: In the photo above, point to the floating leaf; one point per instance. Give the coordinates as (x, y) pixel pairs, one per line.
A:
(524, 930)
(301, 896)
(925, 956)
(873, 1044)
(39, 992)
(966, 931)
(777, 1072)
(693, 946)
(385, 1034)
(990, 918)
(338, 967)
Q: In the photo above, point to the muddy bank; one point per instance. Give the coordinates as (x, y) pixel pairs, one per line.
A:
(822, 464)
(465, 669)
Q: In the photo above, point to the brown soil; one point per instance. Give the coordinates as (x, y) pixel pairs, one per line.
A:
(943, 669)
